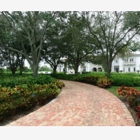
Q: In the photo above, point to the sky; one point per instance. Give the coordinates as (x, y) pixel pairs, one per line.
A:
(40, 64)
(72, 133)
(69, 5)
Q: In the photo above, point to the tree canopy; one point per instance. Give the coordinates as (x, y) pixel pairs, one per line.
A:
(78, 36)
(110, 35)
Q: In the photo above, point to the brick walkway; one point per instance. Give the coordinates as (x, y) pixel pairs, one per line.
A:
(79, 104)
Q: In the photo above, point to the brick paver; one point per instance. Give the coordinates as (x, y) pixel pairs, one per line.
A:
(79, 104)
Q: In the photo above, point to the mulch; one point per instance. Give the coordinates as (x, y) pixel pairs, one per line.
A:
(133, 113)
(19, 115)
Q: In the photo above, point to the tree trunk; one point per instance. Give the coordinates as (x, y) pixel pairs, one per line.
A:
(76, 68)
(54, 69)
(108, 73)
(21, 64)
(107, 68)
(35, 70)
(20, 71)
(13, 70)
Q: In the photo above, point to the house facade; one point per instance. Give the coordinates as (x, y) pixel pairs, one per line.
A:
(87, 67)
(130, 63)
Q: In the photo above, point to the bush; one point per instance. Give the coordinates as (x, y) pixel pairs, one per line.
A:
(100, 81)
(12, 81)
(87, 79)
(64, 76)
(132, 96)
(138, 112)
(128, 93)
(104, 82)
(1, 72)
(22, 97)
(125, 80)
(59, 84)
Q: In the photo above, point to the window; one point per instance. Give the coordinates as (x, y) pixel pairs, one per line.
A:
(99, 69)
(131, 59)
(116, 60)
(134, 69)
(128, 69)
(126, 60)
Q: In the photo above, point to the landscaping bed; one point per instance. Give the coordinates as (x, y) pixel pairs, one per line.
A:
(20, 114)
(133, 112)
(131, 98)
(28, 94)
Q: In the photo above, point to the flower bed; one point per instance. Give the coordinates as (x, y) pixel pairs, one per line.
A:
(23, 97)
(132, 96)
(100, 81)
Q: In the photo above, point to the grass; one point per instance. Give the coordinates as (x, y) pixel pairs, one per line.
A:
(113, 89)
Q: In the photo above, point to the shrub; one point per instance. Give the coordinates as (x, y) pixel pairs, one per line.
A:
(138, 112)
(87, 79)
(1, 72)
(132, 96)
(22, 97)
(40, 79)
(100, 81)
(125, 80)
(104, 82)
(11, 81)
(7, 109)
(64, 76)
(59, 84)
(128, 91)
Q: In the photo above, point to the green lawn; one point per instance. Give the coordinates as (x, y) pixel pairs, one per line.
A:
(113, 89)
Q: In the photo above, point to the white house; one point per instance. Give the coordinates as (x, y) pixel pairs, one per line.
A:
(87, 67)
(130, 63)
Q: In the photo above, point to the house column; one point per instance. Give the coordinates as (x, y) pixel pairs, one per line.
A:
(120, 65)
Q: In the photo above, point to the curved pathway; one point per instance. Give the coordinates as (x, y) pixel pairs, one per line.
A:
(80, 104)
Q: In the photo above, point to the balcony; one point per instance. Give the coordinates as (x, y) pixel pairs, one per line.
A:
(130, 63)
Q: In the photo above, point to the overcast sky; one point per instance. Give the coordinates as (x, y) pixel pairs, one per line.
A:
(40, 64)
(69, 5)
